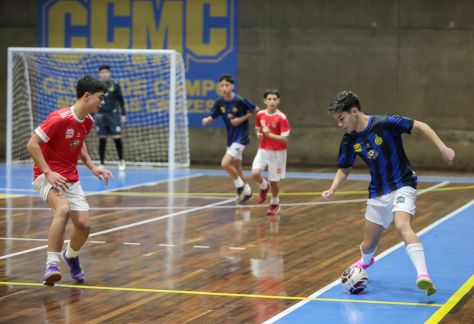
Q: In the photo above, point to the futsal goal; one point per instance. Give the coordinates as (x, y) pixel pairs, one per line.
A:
(153, 83)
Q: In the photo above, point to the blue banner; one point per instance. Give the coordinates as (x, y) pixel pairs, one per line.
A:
(203, 31)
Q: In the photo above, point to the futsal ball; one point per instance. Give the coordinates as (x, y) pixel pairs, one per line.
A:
(354, 279)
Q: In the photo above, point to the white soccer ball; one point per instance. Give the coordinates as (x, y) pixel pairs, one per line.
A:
(354, 280)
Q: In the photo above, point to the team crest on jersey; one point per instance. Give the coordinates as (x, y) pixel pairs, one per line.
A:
(378, 140)
(357, 147)
(75, 144)
(223, 109)
(69, 133)
(235, 109)
(372, 154)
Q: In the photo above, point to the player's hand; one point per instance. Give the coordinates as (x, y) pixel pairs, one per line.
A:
(266, 130)
(58, 182)
(327, 194)
(236, 121)
(206, 121)
(448, 155)
(259, 135)
(123, 119)
(103, 175)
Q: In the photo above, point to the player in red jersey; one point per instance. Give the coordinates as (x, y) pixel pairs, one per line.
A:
(273, 130)
(55, 147)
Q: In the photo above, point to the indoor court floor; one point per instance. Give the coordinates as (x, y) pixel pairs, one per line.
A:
(174, 247)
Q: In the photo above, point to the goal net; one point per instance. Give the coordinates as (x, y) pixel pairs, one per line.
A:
(41, 80)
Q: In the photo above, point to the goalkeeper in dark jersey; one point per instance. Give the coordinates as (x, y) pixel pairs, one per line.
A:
(110, 117)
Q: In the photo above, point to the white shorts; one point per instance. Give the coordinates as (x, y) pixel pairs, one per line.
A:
(380, 210)
(74, 194)
(275, 160)
(236, 150)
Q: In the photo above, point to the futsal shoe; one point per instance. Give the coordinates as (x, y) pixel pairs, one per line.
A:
(247, 193)
(75, 267)
(424, 282)
(361, 265)
(263, 194)
(51, 274)
(239, 193)
(121, 165)
(273, 210)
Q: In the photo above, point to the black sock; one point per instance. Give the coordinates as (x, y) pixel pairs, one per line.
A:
(119, 146)
(102, 145)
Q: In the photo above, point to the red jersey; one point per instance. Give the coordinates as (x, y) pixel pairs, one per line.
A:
(63, 134)
(278, 125)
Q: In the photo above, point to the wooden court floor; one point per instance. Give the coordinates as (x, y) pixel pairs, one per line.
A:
(202, 258)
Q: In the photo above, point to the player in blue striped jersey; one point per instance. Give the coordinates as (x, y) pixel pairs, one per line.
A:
(235, 112)
(392, 190)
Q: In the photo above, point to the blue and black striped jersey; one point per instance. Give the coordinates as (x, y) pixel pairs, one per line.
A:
(380, 146)
(236, 107)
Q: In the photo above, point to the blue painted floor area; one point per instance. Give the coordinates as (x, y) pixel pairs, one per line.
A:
(450, 258)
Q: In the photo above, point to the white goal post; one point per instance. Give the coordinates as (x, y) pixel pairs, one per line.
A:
(153, 83)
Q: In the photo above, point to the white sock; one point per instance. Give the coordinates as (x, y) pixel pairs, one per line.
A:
(416, 253)
(366, 257)
(70, 253)
(275, 200)
(53, 257)
(263, 185)
(239, 182)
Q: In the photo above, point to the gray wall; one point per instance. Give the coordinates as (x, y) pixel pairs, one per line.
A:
(410, 57)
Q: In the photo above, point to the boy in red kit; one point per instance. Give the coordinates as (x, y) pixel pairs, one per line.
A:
(273, 130)
(55, 147)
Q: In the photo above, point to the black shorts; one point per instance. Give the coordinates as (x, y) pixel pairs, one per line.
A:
(108, 124)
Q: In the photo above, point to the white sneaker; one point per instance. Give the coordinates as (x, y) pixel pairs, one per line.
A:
(121, 165)
(246, 193)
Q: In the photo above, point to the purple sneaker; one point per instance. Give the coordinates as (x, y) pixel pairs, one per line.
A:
(361, 265)
(51, 274)
(75, 267)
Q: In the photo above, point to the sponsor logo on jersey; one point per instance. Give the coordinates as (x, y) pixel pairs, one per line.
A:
(357, 147)
(223, 109)
(378, 140)
(372, 154)
(235, 109)
(75, 144)
(69, 133)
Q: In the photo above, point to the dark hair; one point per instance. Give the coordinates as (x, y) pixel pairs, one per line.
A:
(271, 91)
(344, 101)
(104, 67)
(226, 77)
(89, 84)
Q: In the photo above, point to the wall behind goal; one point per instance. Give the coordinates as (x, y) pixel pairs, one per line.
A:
(405, 57)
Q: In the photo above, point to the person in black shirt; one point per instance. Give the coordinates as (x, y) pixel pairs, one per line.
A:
(110, 117)
(392, 190)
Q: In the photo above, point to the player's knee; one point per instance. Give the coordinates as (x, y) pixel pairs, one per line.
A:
(62, 211)
(256, 174)
(225, 164)
(83, 225)
(403, 228)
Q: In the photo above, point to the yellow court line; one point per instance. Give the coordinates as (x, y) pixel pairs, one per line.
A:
(455, 298)
(9, 196)
(219, 294)
(229, 194)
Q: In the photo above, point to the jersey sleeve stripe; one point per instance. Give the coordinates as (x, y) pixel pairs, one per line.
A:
(287, 133)
(42, 135)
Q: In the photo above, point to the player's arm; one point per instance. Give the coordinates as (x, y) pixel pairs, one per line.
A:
(99, 173)
(279, 138)
(340, 177)
(58, 182)
(446, 152)
(239, 120)
(207, 121)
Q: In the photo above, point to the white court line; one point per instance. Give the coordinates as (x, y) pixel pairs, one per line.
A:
(236, 248)
(146, 184)
(96, 242)
(22, 239)
(166, 245)
(201, 246)
(115, 229)
(131, 243)
(380, 256)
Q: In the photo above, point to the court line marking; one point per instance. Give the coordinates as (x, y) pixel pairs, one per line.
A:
(219, 294)
(452, 302)
(118, 228)
(380, 256)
